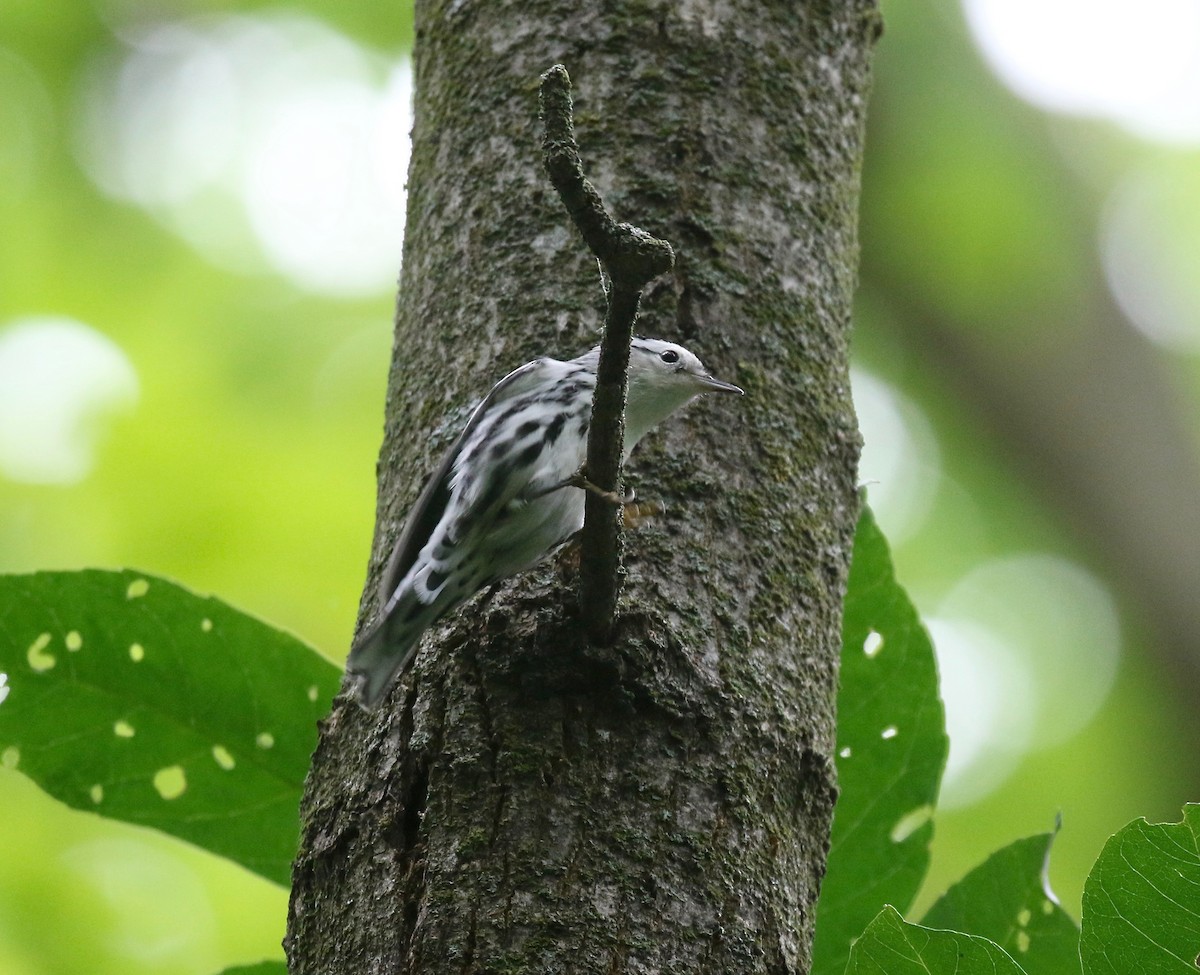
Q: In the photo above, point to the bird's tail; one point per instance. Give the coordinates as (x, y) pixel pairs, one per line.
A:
(386, 650)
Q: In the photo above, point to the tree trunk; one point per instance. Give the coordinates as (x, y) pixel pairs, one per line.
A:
(524, 802)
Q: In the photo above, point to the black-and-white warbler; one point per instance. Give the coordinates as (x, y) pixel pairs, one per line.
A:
(504, 494)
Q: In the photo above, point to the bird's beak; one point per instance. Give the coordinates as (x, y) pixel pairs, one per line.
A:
(710, 384)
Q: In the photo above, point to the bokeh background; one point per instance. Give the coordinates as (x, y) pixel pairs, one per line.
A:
(201, 207)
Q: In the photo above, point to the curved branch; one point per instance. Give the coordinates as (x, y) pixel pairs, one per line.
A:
(631, 258)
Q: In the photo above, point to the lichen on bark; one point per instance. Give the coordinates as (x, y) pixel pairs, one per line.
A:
(523, 801)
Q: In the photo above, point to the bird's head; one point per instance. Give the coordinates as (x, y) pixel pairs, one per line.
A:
(663, 377)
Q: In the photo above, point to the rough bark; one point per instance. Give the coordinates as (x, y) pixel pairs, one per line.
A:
(523, 802)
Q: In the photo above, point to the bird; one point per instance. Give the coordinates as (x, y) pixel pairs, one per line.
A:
(507, 492)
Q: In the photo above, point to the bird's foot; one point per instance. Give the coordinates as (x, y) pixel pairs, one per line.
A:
(634, 513)
(579, 480)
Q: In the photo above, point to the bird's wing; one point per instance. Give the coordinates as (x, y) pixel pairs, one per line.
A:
(425, 514)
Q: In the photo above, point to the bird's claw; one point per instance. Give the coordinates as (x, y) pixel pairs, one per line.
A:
(634, 514)
(579, 480)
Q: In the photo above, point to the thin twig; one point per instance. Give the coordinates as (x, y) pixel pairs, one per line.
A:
(632, 259)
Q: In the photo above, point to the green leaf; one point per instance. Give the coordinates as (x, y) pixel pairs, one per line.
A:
(262, 968)
(891, 946)
(1007, 899)
(131, 697)
(891, 749)
(1141, 902)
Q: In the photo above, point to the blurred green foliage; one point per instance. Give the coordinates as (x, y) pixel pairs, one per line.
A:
(141, 701)
(891, 750)
(1005, 900)
(122, 682)
(247, 469)
(1140, 905)
(891, 946)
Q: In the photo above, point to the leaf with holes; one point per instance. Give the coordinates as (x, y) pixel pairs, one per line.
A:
(1007, 899)
(1141, 902)
(891, 749)
(131, 697)
(891, 946)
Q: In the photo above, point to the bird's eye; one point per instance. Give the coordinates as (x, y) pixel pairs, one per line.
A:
(669, 356)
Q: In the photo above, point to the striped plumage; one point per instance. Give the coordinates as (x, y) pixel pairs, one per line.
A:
(497, 502)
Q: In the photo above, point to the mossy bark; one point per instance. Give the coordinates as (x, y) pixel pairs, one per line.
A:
(523, 802)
